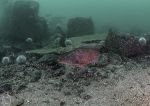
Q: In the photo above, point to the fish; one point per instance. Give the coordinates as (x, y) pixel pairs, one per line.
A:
(80, 57)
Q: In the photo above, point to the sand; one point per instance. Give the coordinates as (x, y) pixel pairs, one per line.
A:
(125, 84)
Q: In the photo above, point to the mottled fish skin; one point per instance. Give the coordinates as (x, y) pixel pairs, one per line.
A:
(80, 57)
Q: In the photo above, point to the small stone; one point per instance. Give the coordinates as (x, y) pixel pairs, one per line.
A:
(86, 97)
(5, 88)
(62, 103)
(21, 86)
(67, 93)
(16, 101)
(36, 76)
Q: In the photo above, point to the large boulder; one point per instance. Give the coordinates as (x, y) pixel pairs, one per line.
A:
(80, 26)
(125, 45)
(22, 22)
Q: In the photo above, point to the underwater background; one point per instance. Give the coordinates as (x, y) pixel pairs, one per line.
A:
(123, 14)
(74, 53)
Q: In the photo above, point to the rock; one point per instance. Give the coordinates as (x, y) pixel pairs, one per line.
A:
(5, 88)
(102, 75)
(8, 50)
(103, 60)
(16, 101)
(86, 97)
(54, 73)
(58, 72)
(21, 86)
(24, 15)
(50, 60)
(68, 42)
(124, 45)
(67, 93)
(36, 75)
(80, 26)
(9, 100)
(114, 59)
(62, 103)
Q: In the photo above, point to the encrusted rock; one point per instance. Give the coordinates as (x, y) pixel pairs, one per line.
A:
(124, 45)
